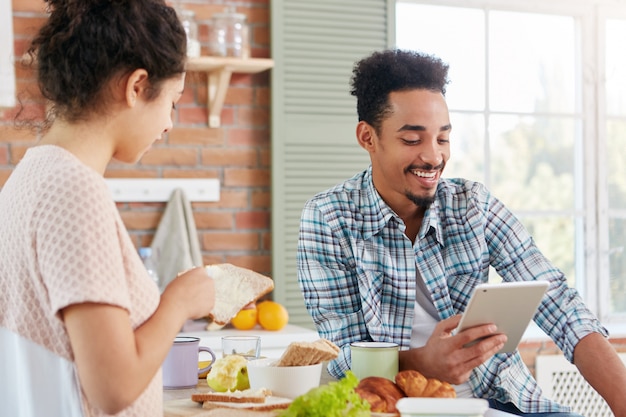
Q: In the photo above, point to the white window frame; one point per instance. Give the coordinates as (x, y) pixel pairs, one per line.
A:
(590, 14)
(7, 65)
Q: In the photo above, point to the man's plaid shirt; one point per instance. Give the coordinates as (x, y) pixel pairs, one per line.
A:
(357, 272)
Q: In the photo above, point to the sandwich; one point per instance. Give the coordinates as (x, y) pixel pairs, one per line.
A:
(235, 287)
(257, 400)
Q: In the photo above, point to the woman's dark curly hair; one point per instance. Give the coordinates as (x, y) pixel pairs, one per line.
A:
(85, 43)
(381, 73)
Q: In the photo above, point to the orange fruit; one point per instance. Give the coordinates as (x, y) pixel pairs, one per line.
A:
(272, 315)
(245, 320)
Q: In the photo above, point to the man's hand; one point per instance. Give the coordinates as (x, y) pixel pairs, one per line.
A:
(447, 356)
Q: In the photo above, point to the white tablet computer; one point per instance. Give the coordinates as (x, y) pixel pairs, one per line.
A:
(509, 305)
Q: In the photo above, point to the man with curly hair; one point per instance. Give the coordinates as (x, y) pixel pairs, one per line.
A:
(393, 253)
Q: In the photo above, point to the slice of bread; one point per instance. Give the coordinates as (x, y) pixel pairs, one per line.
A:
(308, 353)
(245, 396)
(271, 403)
(235, 287)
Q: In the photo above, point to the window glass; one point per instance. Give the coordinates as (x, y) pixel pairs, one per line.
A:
(515, 103)
(467, 147)
(615, 67)
(457, 36)
(532, 62)
(615, 61)
(616, 163)
(532, 167)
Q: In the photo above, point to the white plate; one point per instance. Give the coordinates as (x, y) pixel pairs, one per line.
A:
(440, 407)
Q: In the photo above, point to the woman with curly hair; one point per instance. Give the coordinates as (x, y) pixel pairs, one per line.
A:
(83, 329)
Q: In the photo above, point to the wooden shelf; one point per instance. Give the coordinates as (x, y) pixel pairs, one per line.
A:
(219, 71)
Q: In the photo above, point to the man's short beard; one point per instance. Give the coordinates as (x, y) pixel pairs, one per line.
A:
(420, 201)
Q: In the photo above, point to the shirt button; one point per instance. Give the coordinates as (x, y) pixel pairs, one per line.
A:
(420, 253)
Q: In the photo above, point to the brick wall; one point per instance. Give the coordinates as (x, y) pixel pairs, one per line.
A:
(236, 229)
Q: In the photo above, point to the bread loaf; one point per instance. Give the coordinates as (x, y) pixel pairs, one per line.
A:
(235, 287)
(381, 393)
(414, 384)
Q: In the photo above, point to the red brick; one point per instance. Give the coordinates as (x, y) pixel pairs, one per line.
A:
(238, 241)
(227, 116)
(28, 90)
(239, 96)
(192, 115)
(266, 239)
(240, 136)
(195, 136)
(36, 6)
(265, 158)
(113, 172)
(230, 157)
(4, 154)
(4, 176)
(170, 156)
(213, 259)
(261, 199)
(241, 177)
(259, 263)
(17, 152)
(231, 199)
(10, 133)
(190, 173)
(28, 111)
(213, 220)
(27, 26)
(260, 35)
(252, 220)
(241, 79)
(141, 219)
(252, 116)
(262, 96)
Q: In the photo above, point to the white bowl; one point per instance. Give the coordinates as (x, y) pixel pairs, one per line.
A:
(283, 381)
(442, 407)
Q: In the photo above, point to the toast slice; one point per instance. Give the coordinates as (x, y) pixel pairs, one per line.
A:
(235, 287)
(308, 353)
(246, 396)
(271, 403)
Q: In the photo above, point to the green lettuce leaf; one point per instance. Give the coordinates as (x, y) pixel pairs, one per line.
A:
(335, 399)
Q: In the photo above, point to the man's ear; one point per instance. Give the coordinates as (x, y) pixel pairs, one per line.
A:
(365, 135)
(136, 85)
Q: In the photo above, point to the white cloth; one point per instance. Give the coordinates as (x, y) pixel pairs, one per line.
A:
(175, 245)
(25, 367)
(424, 321)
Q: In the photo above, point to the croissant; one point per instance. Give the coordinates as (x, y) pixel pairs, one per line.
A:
(414, 384)
(381, 393)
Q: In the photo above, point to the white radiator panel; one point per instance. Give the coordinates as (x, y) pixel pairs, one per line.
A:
(561, 381)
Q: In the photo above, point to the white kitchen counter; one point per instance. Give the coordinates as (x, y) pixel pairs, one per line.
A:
(273, 343)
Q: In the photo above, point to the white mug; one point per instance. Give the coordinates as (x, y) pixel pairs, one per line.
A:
(180, 368)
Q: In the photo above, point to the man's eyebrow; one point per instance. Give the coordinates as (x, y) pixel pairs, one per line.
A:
(420, 128)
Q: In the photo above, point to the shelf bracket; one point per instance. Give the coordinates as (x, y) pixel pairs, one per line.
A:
(217, 86)
(219, 71)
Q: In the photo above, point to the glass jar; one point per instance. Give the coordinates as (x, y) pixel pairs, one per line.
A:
(188, 19)
(229, 34)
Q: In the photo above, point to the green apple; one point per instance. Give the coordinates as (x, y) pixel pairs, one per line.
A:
(229, 373)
